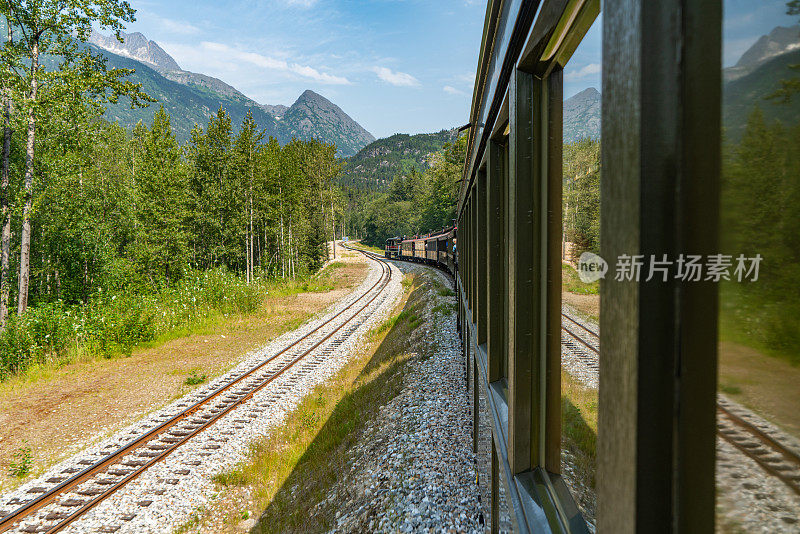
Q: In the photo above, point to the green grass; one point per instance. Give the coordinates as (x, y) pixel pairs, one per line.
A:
(572, 283)
(579, 425)
(291, 470)
(52, 335)
(369, 248)
(445, 308)
(769, 325)
(194, 379)
(730, 390)
(22, 464)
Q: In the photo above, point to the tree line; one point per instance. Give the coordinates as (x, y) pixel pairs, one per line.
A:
(760, 214)
(581, 196)
(414, 202)
(87, 206)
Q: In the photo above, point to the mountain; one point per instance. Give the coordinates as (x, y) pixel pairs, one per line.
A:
(742, 95)
(135, 46)
(582, 116)
(187, 105)
(191, 98)
(314, 116)
(756, 76)
(375, 165)
(777, 42)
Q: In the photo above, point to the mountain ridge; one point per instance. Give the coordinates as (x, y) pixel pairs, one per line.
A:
(780, 40)
(310, 116)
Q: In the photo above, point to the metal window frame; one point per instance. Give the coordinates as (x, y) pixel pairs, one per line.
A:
(527, 422)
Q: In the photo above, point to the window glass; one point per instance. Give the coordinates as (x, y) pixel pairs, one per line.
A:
(758, 482)
(580, 333)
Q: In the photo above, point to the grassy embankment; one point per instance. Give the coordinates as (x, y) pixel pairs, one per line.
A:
(579, 402)
(61, 403)
(112, 325)
(759, 360)
(369, 248)
(290, 473)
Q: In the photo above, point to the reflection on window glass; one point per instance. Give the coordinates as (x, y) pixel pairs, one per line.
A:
(759, 339)
(580, 298)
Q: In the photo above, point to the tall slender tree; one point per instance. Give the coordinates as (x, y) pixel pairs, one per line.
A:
(9, 64)
(58, 29)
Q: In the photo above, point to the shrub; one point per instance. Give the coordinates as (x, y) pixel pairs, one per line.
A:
(22, 463)
(112, 324)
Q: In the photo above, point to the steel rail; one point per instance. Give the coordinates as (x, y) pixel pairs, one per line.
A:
(775, 447)
(591, 332)
(791, 460)
(11, 520)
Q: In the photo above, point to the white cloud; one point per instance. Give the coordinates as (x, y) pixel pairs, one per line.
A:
(586, 71)
(301, 3)
(399, 79)
(270, 63)
(450, 90)
(178, 26)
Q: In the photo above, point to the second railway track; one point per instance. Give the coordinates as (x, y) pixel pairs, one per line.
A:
(76, 491)
(737, 426)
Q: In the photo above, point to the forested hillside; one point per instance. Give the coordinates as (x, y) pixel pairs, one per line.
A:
(111, 237)
(414, 202)
(376, 165)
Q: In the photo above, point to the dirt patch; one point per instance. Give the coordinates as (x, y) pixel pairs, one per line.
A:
(766, 385)
(587, 304)
(83, 402)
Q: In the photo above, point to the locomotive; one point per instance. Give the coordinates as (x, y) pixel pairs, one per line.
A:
(436, 248)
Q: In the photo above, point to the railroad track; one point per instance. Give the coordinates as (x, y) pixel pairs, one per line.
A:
(736, 426)
(746, 436)
(79, 490)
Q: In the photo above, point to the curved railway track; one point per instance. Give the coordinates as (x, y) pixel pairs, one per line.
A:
(733, 425)
(79, 491)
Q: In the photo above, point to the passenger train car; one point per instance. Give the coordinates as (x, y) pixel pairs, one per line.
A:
(438, 248)
(660, 188)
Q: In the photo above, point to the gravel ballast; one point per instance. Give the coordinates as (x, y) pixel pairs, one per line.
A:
(414, 469)
(167, 494)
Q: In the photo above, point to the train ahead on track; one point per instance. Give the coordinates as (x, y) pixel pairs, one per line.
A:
(437, 248)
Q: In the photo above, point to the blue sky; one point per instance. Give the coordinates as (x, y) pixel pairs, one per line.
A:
(393, 65)
(744, 21)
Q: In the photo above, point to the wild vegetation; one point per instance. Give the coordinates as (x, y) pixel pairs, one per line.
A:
(581, 196)
(375, 166)
(760, 210)
(112, 237)
(414, 202)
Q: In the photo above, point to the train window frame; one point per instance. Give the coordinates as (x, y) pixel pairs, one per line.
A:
(660, 124)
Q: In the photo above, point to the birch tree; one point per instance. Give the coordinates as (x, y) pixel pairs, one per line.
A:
(49, 63)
